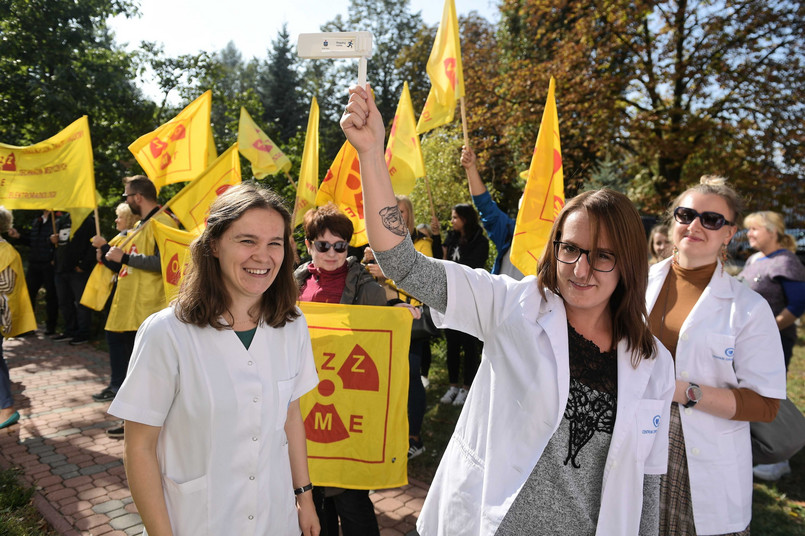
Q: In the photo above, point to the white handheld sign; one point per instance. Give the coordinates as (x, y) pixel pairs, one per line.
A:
(337, 45)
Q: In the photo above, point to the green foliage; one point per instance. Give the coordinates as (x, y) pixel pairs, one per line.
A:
(58, 62)
(441, 149)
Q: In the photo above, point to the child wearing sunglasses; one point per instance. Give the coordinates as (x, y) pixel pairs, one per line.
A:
(728, 361)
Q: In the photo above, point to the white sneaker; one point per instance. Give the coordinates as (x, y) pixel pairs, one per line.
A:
(460, 397)
(771, 471)
(450, 395)
(415, 449)
(425, 381)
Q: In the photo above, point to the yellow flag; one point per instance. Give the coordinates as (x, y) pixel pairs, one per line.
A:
(265, 156)
(56, 174)
(100, 283)
(544, 194)
(403, 152)
(308, 183)
(356, 421)
(342, 186)
(174, 254)
(192, 204)
(178, 150)
(446, 73)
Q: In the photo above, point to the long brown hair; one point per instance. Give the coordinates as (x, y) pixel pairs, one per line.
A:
(613, 212)
(202, 298)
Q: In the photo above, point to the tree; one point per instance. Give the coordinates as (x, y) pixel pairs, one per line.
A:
(279, 88)
(59, 62)
(675, 89)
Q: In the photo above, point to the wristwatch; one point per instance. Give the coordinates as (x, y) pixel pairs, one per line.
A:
(694, 394)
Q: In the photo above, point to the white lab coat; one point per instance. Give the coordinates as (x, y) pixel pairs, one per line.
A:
(516, 404)
(222, 450)
(729, 339)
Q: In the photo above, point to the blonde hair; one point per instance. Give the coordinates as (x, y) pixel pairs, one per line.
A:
(409, 220)
(663, 229)
(123, 210)
(6, 219)
(774, 222)
(713, 185)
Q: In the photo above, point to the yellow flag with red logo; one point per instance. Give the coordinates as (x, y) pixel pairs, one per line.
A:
(342, 186)
(544, 194)
(356, 420)
(174, 254)
(446, 73)
(212, 151)
(178, 150)
(101, 280)
(265, 156)
(308, 184)
(192, 204)
(55, 174)
(403, 152)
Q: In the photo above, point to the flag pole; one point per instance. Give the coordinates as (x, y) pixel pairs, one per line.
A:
(430, 197)
(290, 179)
(464, 123)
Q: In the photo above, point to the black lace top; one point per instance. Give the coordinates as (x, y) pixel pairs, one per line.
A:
(592, 402)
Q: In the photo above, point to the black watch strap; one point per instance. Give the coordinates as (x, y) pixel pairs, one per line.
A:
(303, 489)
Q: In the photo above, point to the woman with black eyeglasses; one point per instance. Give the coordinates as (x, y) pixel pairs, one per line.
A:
(333, 277)
(729, 366)
(565, 429)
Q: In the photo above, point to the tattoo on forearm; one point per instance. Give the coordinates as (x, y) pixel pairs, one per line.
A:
(393, 221)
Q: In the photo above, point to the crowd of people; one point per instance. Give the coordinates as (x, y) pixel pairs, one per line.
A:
(609, 394)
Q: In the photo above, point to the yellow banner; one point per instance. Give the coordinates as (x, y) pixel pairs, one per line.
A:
(544, 194)
(446, 73)
(308, 183)
(356, 420)
(174, 254)
(17, 300)
(212, 152)
(265, 156)
(178, 150)
(403, 152)
(56, 174)
(342, 186)
(192, 204)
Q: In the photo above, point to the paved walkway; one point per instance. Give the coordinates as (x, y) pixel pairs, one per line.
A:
(61, 445)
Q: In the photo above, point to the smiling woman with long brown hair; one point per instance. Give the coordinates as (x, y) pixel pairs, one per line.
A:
(565, 428)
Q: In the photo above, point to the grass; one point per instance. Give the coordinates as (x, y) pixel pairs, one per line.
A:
(778, 508)
(18, 516)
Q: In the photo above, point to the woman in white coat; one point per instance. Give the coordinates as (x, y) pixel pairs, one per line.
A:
(565, 428)
(729, 366)
(215, 441)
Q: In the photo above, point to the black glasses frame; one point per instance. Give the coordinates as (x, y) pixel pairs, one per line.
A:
(124, 196)
(323, 246)
(582, 251)
(709, 220)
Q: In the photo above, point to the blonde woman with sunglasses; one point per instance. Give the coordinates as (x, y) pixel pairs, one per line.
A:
(728, 361)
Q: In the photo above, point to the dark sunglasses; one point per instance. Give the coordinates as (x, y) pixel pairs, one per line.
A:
(323, 247)
(709, 220)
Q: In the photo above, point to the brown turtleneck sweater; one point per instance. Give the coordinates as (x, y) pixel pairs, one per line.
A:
(679, 293)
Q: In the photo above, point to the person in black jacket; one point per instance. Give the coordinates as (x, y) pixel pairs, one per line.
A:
(465, 244)
(75, 259)
(41, 266)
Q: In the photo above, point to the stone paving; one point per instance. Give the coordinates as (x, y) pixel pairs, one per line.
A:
(61, 446)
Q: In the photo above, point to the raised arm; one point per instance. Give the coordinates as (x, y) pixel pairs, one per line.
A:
(364, 129)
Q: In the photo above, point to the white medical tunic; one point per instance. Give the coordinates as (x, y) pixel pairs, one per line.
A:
(516, 404)
(222, 450)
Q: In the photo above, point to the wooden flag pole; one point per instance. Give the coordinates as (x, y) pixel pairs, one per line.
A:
(97, 223)
(464, 123)
(291, 180)
(430, 197)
